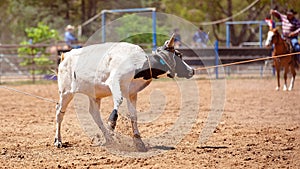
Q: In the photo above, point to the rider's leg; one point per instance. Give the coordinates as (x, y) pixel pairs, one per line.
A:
(296, 46)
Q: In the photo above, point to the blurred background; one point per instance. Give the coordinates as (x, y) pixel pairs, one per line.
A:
(43, 23)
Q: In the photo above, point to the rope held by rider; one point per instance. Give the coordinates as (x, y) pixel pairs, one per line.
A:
(246, 61)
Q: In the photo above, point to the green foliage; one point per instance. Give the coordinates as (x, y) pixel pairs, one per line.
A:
(37, 56)
(16, 15)
(138, 30)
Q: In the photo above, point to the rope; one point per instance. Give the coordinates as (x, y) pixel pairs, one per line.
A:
(231, 17)
(149, 65)
(29, 94)
(246, 61)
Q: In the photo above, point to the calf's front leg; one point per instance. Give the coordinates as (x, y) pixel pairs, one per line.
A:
(61, 107)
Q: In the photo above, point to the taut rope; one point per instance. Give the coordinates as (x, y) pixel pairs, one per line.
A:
(246, 61)
(29, 94)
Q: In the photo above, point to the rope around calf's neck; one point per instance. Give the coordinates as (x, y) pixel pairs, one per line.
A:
(149, 66)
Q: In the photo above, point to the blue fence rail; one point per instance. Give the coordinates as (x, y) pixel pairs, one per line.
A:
(260, 32)
(220, 55)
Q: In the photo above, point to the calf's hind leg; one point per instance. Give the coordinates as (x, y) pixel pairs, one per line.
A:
(94, 111)
(131, 104)
(61, 107)
(117, 99)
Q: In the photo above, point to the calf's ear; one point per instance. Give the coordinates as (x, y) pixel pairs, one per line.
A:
(171, 41)
(62, 57)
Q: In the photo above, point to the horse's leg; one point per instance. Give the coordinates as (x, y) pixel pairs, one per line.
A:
(64, 100)
(293, 77)
(286, 70)
(278, 77)
(265, 66)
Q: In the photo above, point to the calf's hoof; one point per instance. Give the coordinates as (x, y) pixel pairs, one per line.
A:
(112, 120)
(57, 143)
(139, 144)
(112, 125)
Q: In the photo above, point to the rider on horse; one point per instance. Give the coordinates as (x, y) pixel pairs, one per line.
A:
(290, 28)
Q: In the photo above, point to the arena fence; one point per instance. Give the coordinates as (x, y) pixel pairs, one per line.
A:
(10, 69)
(203, 58)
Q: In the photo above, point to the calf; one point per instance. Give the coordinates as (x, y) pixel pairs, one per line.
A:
(117, 69)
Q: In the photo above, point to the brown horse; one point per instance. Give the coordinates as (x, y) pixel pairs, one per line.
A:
(288, 63)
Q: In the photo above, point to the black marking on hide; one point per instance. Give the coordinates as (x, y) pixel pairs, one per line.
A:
(157, 68)
(146, 74)
(113, 116)
(74, 75)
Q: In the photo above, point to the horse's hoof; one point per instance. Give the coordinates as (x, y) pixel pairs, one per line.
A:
(284, 88)
(277, 89)
(57, 143)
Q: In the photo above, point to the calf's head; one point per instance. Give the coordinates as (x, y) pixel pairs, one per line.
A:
(173, 60)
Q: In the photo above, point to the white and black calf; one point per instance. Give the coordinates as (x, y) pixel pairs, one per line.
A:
(117, 69)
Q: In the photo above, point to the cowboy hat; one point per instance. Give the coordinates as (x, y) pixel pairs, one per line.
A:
(291, 12)
(70, 27)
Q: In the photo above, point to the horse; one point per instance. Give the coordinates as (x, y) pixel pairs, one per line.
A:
(288, 63)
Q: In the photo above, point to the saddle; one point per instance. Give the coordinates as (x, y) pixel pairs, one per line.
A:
(291, 50)
(290, 46)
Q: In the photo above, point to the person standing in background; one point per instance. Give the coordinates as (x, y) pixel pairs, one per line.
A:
(177, 41)
(70, 39)
(200, 38)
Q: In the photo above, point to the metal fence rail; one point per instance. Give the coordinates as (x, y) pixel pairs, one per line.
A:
(200, 57)
(10, 68)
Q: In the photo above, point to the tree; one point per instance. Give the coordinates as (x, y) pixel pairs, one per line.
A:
(16, 15)
(36, 57)
(199, 12)
(138, 30)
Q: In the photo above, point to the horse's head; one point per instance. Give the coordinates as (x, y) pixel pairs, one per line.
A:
(173, 60)
(272, 37)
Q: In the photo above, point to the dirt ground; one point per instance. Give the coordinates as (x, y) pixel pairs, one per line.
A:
(259, 128)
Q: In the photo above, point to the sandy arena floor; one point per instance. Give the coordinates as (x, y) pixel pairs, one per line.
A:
(260, 128)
